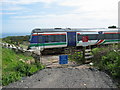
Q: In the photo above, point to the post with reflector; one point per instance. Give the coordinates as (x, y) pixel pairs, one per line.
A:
(84, 44)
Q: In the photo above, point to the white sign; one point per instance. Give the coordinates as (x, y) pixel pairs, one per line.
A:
(85, 43)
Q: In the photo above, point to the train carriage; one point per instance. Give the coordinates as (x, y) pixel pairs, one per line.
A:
(56, 38)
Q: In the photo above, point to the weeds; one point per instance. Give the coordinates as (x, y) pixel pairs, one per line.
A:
(108, 59)
(77, 57)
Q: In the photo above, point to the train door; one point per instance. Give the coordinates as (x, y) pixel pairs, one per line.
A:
(71, 37)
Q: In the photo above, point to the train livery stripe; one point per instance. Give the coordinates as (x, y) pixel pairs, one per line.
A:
(118, 40)
(47, 44)
(48, 34)
(100, 41)
(112, 33)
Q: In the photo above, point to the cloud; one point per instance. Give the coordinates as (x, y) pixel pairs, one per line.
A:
(7, 13)
(28, 17)
(12, 8)
(53, 16)
(80, 13)
(24, 5)
(27, 1)
(94, 9)
(91, 5)
(66, 19)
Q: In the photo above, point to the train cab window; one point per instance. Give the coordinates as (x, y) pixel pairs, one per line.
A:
(34, 39)
(40, 40)
(108, 36)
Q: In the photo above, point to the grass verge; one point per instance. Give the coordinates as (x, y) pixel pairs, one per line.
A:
(15, 66)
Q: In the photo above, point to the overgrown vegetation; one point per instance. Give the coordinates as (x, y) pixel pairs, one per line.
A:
(77, 57)
(108, 59)
(15, 66)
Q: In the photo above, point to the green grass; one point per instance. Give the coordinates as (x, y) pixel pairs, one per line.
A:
(15, 66)
(0, 66)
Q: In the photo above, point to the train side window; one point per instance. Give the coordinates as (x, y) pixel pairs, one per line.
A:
(108, 36)
(46, 38)
(51, 38)
(56, 38)
(92, 36)
(79, 37)
(61, 38)
(101, 36)
(115, 36)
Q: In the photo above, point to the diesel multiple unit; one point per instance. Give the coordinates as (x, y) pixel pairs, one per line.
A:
(56, 38)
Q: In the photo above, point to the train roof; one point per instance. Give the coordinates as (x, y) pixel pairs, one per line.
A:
(38, 30)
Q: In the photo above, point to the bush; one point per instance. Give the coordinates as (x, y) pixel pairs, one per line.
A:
(22, 68)
(98, 53)
(77, 57)
(33, 69)
(111, 63)
(107, 59)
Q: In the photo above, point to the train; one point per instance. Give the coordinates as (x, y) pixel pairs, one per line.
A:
(41, 39)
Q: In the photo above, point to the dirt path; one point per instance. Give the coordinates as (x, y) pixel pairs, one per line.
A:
(67, 76)
(52, 61)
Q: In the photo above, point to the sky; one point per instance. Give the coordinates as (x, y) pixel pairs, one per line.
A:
(25, 15)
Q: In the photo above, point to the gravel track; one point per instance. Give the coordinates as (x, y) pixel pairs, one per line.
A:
(66, 78)
(71, 76)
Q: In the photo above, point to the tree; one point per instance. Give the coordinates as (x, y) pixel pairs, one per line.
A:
(112, 26)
